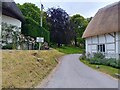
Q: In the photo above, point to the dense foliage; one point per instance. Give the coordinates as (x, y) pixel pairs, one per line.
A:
(60, 26)
(99, 59)
(63, 28)
(79, 25)
(10, 36)
(31, 26)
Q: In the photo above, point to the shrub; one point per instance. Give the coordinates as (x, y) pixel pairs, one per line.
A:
(8, 46)
(118, 63)
(83, 57)
(108, 62)
(88, 55)
(99, 55)
(99, 59)
(103, 61)
(95, 61)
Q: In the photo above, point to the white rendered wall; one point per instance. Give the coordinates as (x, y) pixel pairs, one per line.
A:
(118, 43)
(94, 40)
(101, 39)
(10, 20)
(111, 41)
(88, 45)
(109, 38)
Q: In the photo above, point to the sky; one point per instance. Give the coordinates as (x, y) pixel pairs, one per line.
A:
(86, 8)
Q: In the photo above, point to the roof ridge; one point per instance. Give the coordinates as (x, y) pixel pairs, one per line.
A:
(105, 21)
(110, 5)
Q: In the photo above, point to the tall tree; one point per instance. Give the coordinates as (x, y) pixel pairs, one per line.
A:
(31, 25)
(60, 29)
(79, 25)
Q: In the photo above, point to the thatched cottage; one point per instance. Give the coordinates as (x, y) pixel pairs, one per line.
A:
(10, 14)
(103, 32)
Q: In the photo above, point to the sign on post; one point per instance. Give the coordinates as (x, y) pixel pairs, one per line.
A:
(40, 40)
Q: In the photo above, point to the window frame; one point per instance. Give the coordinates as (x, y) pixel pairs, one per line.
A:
(101, 48)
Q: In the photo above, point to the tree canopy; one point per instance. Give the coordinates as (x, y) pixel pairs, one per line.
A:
(79, 26)
(63, 28)
(60, 30)
(31, 26)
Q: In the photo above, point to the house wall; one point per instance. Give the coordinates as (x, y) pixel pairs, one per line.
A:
(10, 20)
(118, 43)
(111, 41)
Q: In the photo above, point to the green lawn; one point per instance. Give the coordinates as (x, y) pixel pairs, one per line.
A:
(105, 69)
(70, 49)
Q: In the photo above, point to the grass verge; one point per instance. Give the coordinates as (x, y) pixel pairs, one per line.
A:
(105, 69)
(25, 69)
(70, 49)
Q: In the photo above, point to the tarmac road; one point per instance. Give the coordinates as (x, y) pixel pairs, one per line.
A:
(72, 73)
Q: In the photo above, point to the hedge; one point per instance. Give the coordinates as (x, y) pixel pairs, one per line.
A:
(33, 29)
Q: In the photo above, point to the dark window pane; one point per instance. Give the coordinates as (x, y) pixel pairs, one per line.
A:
(100, 48)
(103, 47)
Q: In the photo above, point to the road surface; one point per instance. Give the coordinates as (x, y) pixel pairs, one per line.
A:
(72, 73)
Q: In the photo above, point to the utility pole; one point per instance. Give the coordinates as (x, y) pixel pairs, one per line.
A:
(41, 15)
(41, 19)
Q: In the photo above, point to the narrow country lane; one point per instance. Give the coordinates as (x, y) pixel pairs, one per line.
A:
(72, 73)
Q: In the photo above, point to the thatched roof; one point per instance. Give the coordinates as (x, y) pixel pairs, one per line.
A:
(105, 21)
(11, 9)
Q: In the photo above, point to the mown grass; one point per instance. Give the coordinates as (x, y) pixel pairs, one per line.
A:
(105, 69)
(70, 49)
(22, 69)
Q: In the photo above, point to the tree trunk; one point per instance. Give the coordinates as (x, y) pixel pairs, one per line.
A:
(58, 44)
(75, 41)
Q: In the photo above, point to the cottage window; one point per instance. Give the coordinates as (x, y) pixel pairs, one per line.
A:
(101, 48)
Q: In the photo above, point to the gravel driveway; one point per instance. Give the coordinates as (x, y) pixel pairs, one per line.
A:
(72, 73)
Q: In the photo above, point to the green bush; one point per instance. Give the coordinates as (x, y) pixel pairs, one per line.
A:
(8, 46)
(99, 55)
(99, 59)
(83, 57)
(108, 62)
(95, 61)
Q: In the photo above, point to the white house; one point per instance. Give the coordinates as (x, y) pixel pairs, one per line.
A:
(10, 14)
(103, 32)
